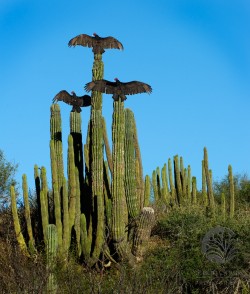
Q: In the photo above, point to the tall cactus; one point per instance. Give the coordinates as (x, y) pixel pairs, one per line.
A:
(178, 183)
(138, 161)
(173, 197)
(231, 192)
(51, 254)
(17, 227)
(119, 207)
(132, 195)
(56, 138)
(165, 190)
(209, 183)
(143, 230)
(96, 159)
(76, 133)
(147, 191)
(27, 213)
(56, 194)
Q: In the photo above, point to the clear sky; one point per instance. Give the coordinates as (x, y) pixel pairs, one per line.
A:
(195, 54)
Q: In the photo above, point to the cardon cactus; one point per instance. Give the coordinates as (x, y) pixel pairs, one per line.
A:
(143, 230)
(96, 160)
(27, 213)
(209, 183)
(231, 191)
(51, 254)
(130, 182)
(119, 207)
(17, 227)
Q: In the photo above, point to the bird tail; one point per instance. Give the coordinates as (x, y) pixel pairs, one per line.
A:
(76, 108)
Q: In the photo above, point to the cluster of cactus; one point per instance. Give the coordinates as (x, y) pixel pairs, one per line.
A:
(178, 187)
(98, 208)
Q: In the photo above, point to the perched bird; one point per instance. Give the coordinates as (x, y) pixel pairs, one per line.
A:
(96, 42)
(117, 88)
(76, 101)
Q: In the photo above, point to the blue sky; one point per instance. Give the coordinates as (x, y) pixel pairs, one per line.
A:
(195, 54)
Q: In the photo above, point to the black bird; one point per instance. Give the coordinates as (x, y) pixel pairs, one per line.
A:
(117, 88)
(76, 101)
(96, 42)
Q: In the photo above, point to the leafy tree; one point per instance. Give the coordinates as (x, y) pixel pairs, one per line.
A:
(241, 184)
(7, 173)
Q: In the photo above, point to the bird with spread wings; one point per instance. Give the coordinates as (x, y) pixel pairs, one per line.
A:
(118, 88)
(96, 42)
(76, 101)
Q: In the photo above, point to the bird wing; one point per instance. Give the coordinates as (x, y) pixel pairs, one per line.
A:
(110, 43)
(103, 86)
(135, 87)
(83, 40)
(65, 97)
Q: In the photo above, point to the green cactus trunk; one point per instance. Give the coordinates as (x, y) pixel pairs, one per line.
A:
(143, 231)
(139, 168)
(17, 227)
(51, 254)
(231, 192)
(131, 192)
(119, 207)
(209, 184)
(147, 191)
(178, 184)
(56, 194)
(107, 147)
(189, 184)
(27, 214)
(223, 206)
(56, 138)
(173, 197)
(96, 160)
(194, 190)
(165, 190)
(204, 191)
(71, 182)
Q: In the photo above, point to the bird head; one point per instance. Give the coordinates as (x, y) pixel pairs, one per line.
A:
(73, 92)
(116, 79)
(95, 34)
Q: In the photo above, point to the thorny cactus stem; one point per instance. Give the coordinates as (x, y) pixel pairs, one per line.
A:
(209, 183)
(173, 198)
(96, 160)
(17, 227)
(119, 211)
(56, 194)
(177, 175)
(143, 230)
(27, 213)
(131, 193)
(231, 191)
(147, 191)
(51, 254)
